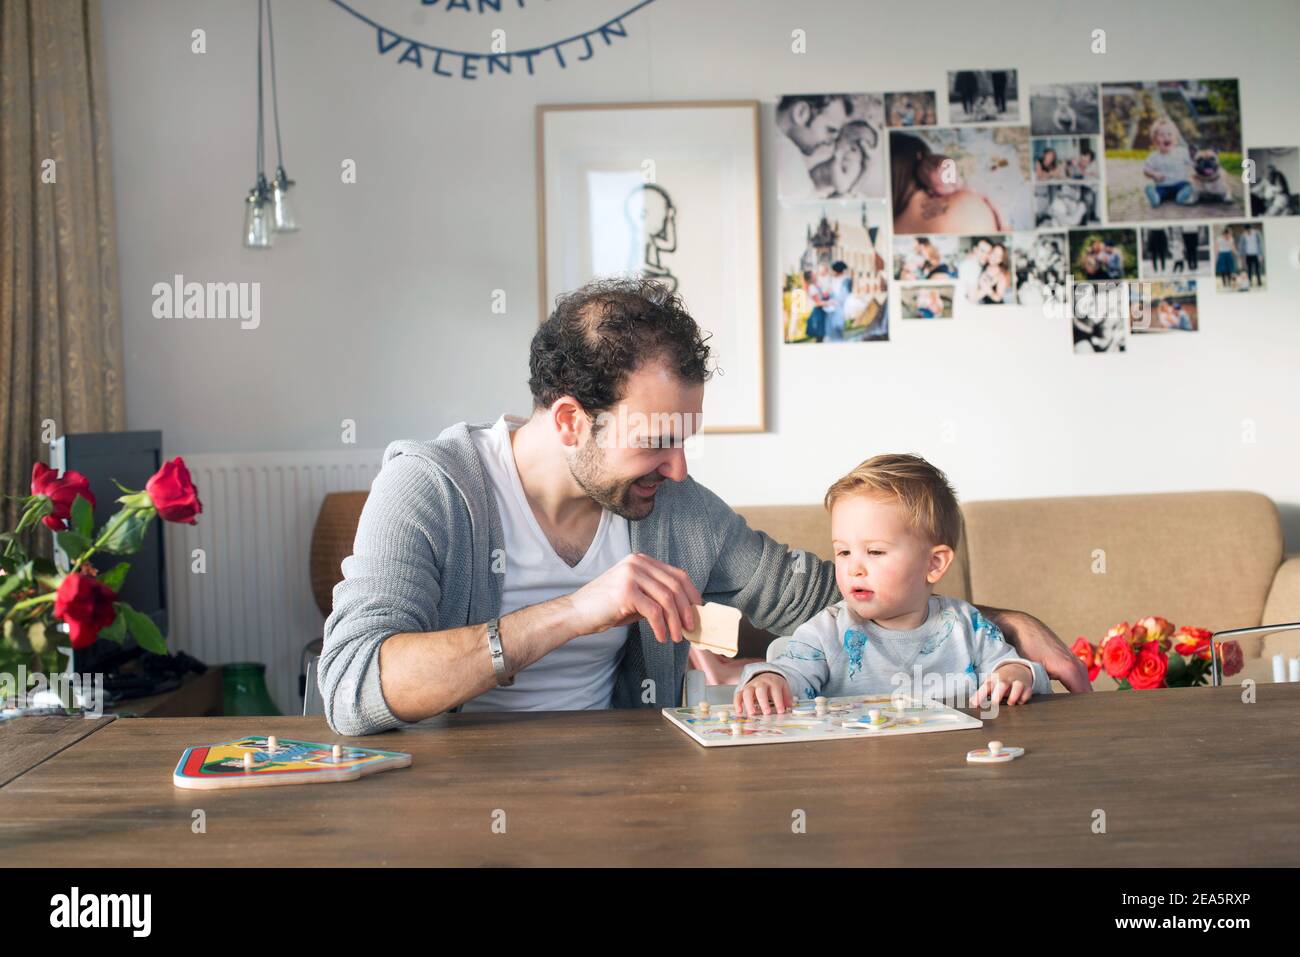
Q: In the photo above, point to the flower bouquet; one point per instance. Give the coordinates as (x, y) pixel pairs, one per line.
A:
(1152, 654)
(44, 607)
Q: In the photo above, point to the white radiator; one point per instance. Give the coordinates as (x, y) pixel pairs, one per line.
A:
(254, 601)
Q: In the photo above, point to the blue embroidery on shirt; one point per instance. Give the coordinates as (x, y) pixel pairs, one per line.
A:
(982, 624)
(854, 642)
(802, 651)
(948, 621)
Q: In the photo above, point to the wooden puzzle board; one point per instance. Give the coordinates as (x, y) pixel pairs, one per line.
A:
(214, 766)
(913, 718)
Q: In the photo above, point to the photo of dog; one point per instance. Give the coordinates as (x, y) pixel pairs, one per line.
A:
(1172, 150)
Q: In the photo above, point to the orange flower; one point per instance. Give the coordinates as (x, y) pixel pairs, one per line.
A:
(1086, 652)
(1156, 629)
(1194, 641)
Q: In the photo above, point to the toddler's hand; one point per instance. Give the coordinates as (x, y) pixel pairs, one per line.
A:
(1012, 681)
(766, 691)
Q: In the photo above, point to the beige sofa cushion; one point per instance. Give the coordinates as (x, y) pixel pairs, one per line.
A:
(1197, 558)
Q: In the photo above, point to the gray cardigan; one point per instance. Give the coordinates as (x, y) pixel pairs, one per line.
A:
(423, 561)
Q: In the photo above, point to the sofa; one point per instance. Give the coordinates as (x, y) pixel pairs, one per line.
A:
(1080, 563)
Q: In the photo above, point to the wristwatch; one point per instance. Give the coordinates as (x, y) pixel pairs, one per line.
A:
(504, 680)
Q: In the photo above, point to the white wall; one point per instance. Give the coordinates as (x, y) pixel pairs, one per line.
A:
(379, 310)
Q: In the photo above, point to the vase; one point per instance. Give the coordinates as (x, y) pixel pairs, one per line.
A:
(245, 691)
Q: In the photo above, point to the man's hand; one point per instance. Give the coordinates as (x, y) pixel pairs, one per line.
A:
(766, 691)
(1037, 642)
(1012, 682)
(638, 587)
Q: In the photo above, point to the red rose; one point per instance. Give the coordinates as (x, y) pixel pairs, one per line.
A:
(1085, 651)
(1231, 656)
(173, 494)
(62, 492)
(1150, 667)
(86, 604)
(1117, 656)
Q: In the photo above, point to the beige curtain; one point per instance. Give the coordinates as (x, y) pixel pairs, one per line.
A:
(60, 317)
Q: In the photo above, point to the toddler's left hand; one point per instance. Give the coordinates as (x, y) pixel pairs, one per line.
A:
(1013, 681)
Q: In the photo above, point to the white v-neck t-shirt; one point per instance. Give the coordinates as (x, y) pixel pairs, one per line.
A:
(579, 674)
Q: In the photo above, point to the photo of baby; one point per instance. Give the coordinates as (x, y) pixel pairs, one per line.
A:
(983, 96)
(1041, 264)
(967, 180)
(1163, 306)
(835, 287)
(1065, 158)
(1065, 205)
(1103, 254)
(1182, 250)
(926, 301)
(926, 257)
(1173, 150)
(830, 146)
(1099, 317)
(1064, 108)
(910, 109)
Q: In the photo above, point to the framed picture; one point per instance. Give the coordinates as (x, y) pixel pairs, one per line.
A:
(668, 191)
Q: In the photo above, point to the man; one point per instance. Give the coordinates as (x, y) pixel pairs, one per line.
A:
(501, 567)
(971, 268)
(810, 126)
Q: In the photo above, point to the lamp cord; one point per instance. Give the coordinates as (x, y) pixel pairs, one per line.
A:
(261, 170)
(275, 97)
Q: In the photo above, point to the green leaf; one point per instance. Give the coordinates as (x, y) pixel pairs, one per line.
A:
(72, 543)
(83, 517)
(127, 532)
(117, 630)
(129, 491)
(114, 577)
(10, 582)
(143, 629)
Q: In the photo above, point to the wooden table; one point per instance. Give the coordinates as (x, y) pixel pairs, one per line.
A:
(1184, 777)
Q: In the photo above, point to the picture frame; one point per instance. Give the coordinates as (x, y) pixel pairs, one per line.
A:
(669, 191)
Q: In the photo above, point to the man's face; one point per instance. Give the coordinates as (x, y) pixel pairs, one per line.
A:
(812, 130)
(620, 461)
(982, 250)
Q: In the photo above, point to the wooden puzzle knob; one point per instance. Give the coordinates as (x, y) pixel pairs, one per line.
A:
(995, 747)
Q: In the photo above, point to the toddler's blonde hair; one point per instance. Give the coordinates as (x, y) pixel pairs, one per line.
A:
(921, 489)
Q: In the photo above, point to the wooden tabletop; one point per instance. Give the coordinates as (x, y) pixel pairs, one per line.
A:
(1183, 777)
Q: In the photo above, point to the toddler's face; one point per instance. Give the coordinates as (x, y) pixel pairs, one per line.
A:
(881, 565)
(1164, 138)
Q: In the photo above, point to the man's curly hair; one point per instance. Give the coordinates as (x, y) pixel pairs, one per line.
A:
(602, 332)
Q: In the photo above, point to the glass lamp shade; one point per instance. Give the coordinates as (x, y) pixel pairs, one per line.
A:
(283, 218)
(257, 221)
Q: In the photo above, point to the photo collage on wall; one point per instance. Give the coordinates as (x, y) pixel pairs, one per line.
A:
(1115, 203)
(834, 220)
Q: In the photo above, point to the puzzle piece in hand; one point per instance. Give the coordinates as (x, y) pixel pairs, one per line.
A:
(718, 631)
(258, 761)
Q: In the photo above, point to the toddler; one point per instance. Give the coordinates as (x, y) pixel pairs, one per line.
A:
(1169, 170)
(895, 524)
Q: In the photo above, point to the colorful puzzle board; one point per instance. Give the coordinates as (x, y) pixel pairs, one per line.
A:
(804, 724)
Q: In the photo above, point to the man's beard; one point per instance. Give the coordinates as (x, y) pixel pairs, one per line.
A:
(588, 469)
